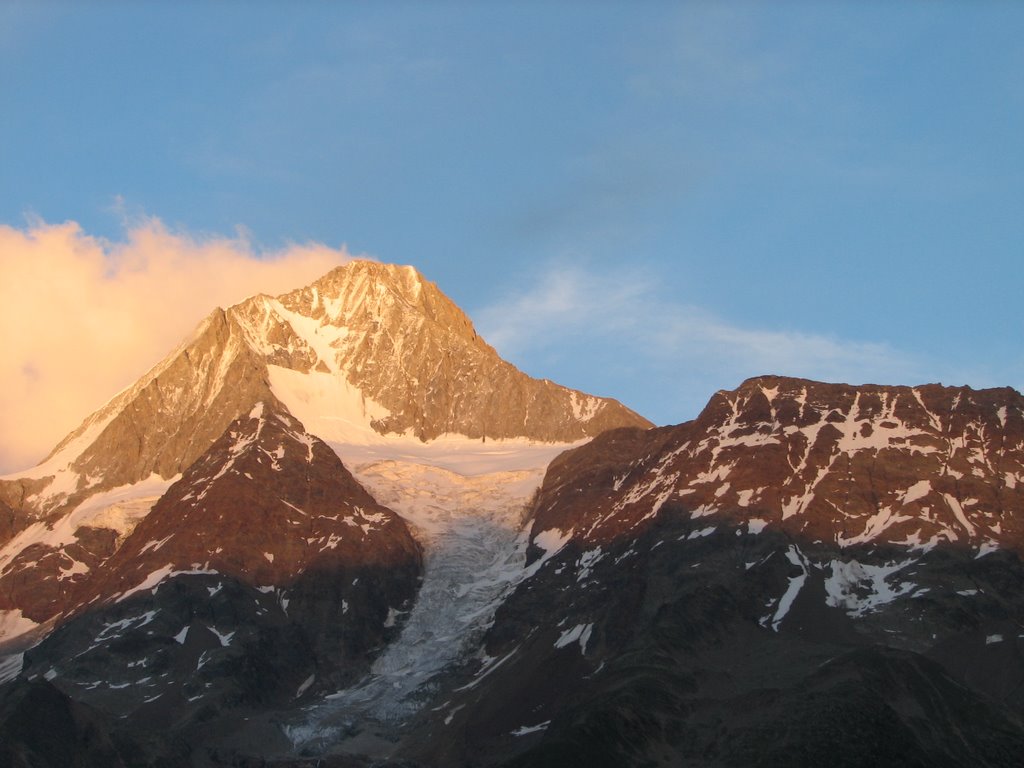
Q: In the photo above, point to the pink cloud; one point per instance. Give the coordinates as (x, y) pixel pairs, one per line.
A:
(83, 317)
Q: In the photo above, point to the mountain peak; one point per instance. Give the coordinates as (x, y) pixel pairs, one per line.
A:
(365, 292)
(366, 351)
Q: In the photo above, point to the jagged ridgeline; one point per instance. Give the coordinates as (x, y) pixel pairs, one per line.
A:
(335, 528)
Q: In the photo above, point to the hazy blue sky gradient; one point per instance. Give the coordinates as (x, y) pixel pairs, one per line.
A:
(645, 200)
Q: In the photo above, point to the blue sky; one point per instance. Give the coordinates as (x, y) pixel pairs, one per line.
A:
(645, 200)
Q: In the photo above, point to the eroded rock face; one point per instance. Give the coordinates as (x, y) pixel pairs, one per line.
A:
(159, 426)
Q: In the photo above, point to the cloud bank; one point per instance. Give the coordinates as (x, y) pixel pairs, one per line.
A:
(83, 317)
(670, 356)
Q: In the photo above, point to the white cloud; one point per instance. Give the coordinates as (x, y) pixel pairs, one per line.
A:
(83, 317)
(664, 358)
(565, 303)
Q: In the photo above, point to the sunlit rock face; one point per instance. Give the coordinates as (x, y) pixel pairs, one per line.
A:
(265, 503)
(806, 574)
(407, 347)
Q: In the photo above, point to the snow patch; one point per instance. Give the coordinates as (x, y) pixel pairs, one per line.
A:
(153, 580)
(917, 491)
(958, 512)
(580, 633)
(304, 685)
(755, 525)
(859, 588)
(701, 533)
(528, 729)
(874, 527)
(587, 561)
(14, 624)
(10, 667)
(551, 541)
(223, 637)
(987, 547)
(115, 628)
(584, 407)
(796, 583)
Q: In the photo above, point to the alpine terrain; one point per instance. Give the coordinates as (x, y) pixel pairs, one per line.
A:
(334, 528)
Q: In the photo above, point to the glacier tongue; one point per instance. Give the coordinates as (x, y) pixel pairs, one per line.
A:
(472, 532)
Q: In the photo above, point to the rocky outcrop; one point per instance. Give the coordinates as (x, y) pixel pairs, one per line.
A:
(279, 497)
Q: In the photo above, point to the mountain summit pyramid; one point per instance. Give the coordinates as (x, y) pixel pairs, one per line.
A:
(368, 350)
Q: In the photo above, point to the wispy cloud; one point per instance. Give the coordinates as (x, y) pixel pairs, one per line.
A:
(672, 355)
(84, 317)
